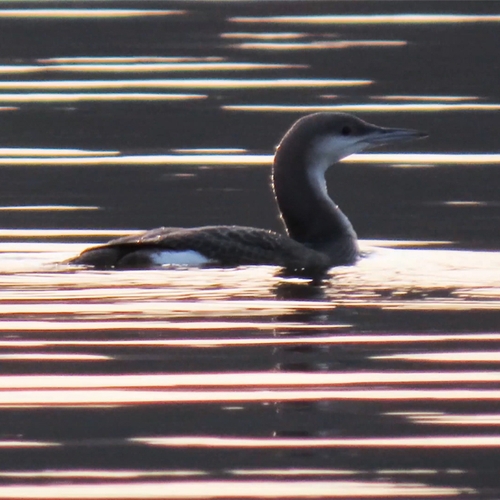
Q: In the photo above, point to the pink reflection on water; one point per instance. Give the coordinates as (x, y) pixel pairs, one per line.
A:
(40, 356)
(262, 341)
(49, 326)
(319, 45)
(116, 397)
(423, 19)
(85, 13)
(227, 489)
(438, 418)
(242, 380)
(447, 357)
(275, 442)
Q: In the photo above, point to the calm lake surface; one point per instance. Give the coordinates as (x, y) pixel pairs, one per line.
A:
(382, 381)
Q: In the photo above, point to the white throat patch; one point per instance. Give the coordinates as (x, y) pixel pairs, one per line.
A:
(324, 152)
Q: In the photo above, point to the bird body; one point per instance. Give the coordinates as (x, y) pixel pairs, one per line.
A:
(227, 246)
(319, 235)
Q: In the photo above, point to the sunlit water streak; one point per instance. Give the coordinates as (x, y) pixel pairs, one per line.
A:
(85, 13)
(45, 152)
(176, 83)
(318, 45)
(318, 339)
(124, 396)
(126, 59)
(45, 208)
(458, 420)
(406, 442)
(363, 108)
(469, 279)
(212, 381)
(438, 98)
(230, 488)
(141, 67)
(263, 36)
(92, 96)
(137, 473)
(375, 19)
(216, 157)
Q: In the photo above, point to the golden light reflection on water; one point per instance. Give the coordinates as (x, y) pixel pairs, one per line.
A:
(419, 279)
(55, 233)
(38, 356)
(462, 203)
(59, 398)
(403, 243)
(210, 151)
(292, 472)
(492, 441)
(452, 419)
(447, 357)
(75, 60)
(363, 108)
(169, 159)
(107, 325)
(142, 67)
(276, 442)
(226, 157)
(85, 13)
(101, 474)
(25, 444)
(310, 340)
(263, 36)
(318, 45)
(245, 380)
(245, 307)
(37, 152)
(45, 208)
(90, 96)
(372, 19)
(137, 473)
(171, 83)
(425, 158)
(441, 98)
(228, 489)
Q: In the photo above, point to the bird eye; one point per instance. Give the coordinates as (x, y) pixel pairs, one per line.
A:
(346, 130)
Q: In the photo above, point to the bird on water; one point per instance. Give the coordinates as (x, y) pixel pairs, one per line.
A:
(319, 235)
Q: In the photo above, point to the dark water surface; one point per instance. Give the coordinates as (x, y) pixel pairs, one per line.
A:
(381, 382)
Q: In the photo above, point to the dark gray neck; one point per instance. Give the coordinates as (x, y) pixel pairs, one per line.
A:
(310, 215)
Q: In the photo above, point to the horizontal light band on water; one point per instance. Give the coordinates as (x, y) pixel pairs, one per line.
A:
(373, 19)
(118, 96)
(285, 380)
(196, 83)
(122, 397)
(434, 106)
(31, 233)
(85, 13)
(318, 45)
(48, 152)
(127, 59)
(278, 442)
(45, 208)
(141, 67)
(235, 489)
(259, 341)
(249, 159)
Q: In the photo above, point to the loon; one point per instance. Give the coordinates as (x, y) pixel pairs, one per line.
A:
(319, 235)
